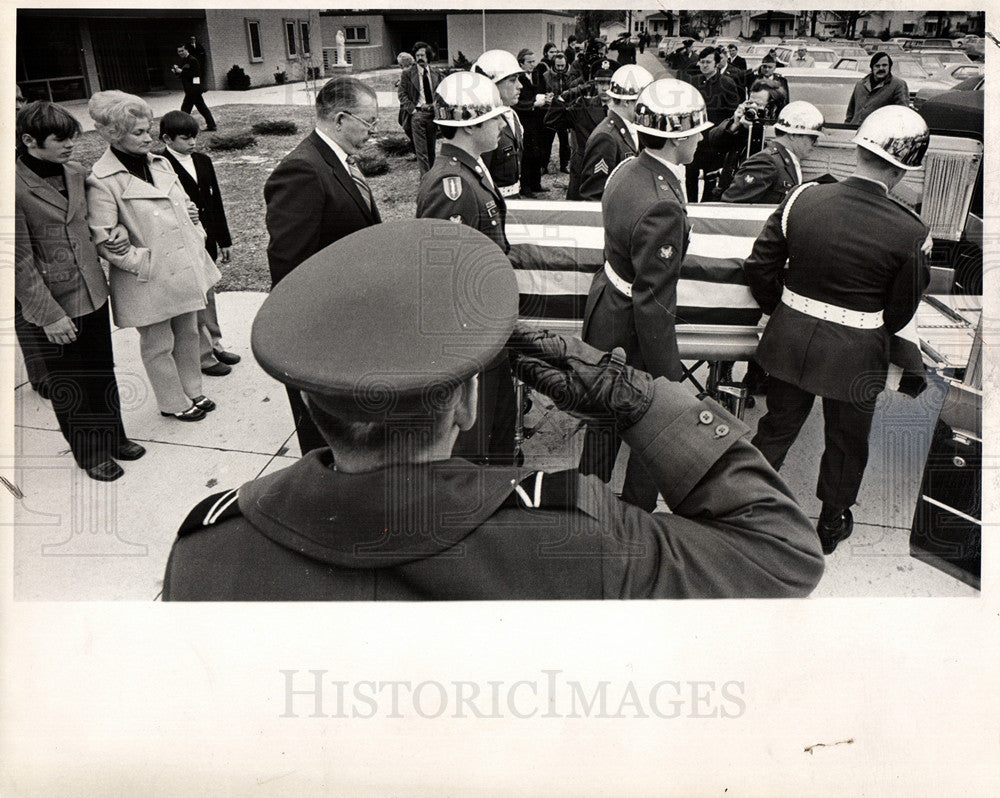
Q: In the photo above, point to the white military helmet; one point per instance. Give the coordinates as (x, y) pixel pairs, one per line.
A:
(671, 109)
(628, 81)
(896, 134)
(497, 65)
(466, 98)
(800, 118)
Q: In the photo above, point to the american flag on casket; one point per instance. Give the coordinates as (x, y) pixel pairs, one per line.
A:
(556, 248)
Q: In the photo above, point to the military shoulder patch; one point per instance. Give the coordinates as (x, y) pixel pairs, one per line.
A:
(667, 252)
(452, 187)
(601, 166)
(456, 218)
(748, 179)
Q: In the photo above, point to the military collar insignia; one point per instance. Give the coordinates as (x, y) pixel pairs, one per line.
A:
(452, 187)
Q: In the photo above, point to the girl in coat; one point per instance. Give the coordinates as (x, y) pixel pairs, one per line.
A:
(62, 293)
(159, 284)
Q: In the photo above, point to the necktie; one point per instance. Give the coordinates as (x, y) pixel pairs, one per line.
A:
(428, 91)
(362, 184)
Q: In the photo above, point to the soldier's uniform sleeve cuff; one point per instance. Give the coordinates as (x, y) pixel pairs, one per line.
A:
(681, 437)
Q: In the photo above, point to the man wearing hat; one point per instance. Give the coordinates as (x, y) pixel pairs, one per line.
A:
(856, 267)
(580, 109)
(632, 302)
(504, 160)
(614, 139)
(767, 71)
(469, 113)
(387, 512)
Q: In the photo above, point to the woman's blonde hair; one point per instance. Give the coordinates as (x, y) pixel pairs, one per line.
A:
(115, 113)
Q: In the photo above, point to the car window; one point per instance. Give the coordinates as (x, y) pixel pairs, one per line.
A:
(824, 57)
(847, 63)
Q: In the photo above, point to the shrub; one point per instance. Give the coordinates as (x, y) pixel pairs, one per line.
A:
(239, 140)
(276, 127)
(237, 79)
(371, 163)
(397, 145)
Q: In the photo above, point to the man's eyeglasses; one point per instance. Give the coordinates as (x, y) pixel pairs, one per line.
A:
(370, 125)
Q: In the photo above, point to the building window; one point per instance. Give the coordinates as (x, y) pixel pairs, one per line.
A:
(253, 41)
(291, 48)
(356, 34)
(304, 39)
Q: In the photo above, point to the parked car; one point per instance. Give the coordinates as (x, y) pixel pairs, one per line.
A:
(926, 44)
(829, 90)
(946, 57)
(967, 93)
(910, 70)
(824, 57)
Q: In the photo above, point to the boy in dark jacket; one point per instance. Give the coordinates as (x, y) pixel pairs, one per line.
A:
(179, 132)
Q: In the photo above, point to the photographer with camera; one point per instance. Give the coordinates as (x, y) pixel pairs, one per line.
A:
(769, 174)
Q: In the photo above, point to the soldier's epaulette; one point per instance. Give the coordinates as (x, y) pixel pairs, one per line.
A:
(618, 166)
(210, 511)
(541, 491)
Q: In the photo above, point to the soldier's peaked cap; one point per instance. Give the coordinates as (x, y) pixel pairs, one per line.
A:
(388, 319)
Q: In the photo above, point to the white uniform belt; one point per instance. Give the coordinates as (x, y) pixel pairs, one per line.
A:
(510, 191)
(616, 281)
(859, 319)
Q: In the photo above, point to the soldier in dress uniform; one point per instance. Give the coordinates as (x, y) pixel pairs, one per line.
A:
(856, 267)
(504, 160)
(387, 512)
(469, 114)
(633, 302)
(614, 139)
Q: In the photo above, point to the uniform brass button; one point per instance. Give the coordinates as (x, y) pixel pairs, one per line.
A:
(706, 417)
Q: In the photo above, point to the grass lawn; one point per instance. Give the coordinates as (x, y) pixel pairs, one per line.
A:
(242, 173)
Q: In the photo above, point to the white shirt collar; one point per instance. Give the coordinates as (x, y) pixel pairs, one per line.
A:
(676, 169)
(337, 149)
(186, 161)
(634, 132)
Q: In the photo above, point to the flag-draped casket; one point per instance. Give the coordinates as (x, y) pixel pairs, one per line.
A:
(556, 247)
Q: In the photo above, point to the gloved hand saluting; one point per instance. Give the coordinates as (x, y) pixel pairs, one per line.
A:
(580, 379)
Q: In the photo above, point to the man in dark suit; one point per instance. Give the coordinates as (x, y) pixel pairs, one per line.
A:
(179, 134)
(416, 98)
(856, 267)
(189, 70)
(736, 61)
(316, 195)
(633, 301)
(721, 98)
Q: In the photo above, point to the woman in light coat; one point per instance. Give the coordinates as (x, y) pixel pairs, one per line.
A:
(158, 285)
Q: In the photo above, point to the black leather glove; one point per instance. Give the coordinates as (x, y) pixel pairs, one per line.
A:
(580, 379)
(912, 384)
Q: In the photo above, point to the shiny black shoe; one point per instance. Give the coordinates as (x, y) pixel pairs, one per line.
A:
(833, 532)
(129, 450)
(229, 358)
(108, 471)
(217, 370)
(193, 413)
(204, 403)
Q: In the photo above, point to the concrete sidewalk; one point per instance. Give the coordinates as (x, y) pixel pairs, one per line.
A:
(77, 539)
(285, 94)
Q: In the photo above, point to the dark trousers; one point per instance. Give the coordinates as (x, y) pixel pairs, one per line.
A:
(531, 160)
(32, 349)
(491, 438)
(424, 138)
(83, 389)
(846, 426)
(705, 159)
(193, 97)
(305, 428)
(600, 449)
(548, 137)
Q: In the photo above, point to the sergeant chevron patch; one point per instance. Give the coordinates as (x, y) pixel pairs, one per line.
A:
(601, 166)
